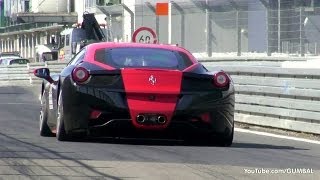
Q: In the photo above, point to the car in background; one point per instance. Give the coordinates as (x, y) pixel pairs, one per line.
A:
(11, 61)
(9, 55)
(3, 59)
(147, 88)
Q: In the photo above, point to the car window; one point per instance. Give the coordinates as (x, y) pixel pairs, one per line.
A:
(67, 40)
(19, 61)
(78, 57)
(62, 40)
(143, 57)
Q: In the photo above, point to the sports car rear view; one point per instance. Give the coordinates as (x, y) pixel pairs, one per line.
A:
(145, 88)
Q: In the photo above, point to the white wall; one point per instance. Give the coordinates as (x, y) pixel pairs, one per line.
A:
(127, 20)
(80, 8)
(49, 6)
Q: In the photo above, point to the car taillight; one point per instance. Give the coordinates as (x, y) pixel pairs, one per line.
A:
(80, 74)
(221, 80)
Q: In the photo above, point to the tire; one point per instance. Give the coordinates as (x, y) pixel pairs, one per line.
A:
(61, 134)
(43, 117)
(225, 140)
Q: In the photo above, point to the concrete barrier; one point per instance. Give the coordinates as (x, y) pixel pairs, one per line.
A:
(14, 74)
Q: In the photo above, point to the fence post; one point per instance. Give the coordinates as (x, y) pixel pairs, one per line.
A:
(170, 22)
(279, 26)
(209, 30)
(239, 34)
(182, 22)
(153, 9)
(268, 31)
(302, 48)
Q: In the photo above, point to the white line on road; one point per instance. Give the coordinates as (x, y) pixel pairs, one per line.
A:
(30, 103)
(276, 136)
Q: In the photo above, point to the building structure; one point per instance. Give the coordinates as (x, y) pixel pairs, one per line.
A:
(285, 26)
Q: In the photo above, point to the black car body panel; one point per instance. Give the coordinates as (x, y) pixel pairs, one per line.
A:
(105, 92)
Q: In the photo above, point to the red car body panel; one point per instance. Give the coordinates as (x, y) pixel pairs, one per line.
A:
(138, 87)
(93, 47)
(163, 86)
(156, 81)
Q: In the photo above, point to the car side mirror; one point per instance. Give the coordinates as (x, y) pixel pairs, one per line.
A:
(43, 73)
(74, 47)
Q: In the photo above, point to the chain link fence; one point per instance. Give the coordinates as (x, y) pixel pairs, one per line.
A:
(235, 27)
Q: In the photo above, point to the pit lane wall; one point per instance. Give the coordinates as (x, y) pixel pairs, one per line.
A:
(266, 94)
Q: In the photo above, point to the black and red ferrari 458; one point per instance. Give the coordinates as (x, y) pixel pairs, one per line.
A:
(144, 87)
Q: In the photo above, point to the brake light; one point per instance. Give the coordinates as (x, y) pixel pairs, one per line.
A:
(80, 74)
(95, 114)
(221, 80)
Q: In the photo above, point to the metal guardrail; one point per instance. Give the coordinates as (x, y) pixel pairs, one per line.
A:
(55, 67)
(254, 60)
(277, 97)
(266, 95)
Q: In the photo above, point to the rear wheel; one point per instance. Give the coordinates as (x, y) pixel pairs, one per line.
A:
(226, 139)
(61, 132)
(43, 118)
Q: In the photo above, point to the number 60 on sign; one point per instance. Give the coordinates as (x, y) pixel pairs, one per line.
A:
(144, 35)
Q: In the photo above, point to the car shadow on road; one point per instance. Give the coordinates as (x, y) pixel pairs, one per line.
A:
(173, 142)
(263, 146)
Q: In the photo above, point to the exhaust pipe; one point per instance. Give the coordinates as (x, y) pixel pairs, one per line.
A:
(161, 119)
(141, 118)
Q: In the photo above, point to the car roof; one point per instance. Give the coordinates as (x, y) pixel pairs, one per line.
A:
(142, 45)
(94, 46)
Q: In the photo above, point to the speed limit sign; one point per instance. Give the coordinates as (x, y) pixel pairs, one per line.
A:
(144, 35)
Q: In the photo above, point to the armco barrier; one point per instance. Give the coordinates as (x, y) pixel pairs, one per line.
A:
(14, 75)
(251, 60)
(277, 97)
(55, 67)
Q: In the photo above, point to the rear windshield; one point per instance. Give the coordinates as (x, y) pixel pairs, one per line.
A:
(143, 57)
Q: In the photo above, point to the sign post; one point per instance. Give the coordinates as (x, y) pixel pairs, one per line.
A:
(144, 35)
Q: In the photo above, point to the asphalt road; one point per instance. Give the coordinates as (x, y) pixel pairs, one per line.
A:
(26, 155)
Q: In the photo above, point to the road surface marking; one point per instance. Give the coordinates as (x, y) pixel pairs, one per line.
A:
(19, 103)
(276, 136)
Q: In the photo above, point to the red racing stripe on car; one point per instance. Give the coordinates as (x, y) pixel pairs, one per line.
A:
(151, 92)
